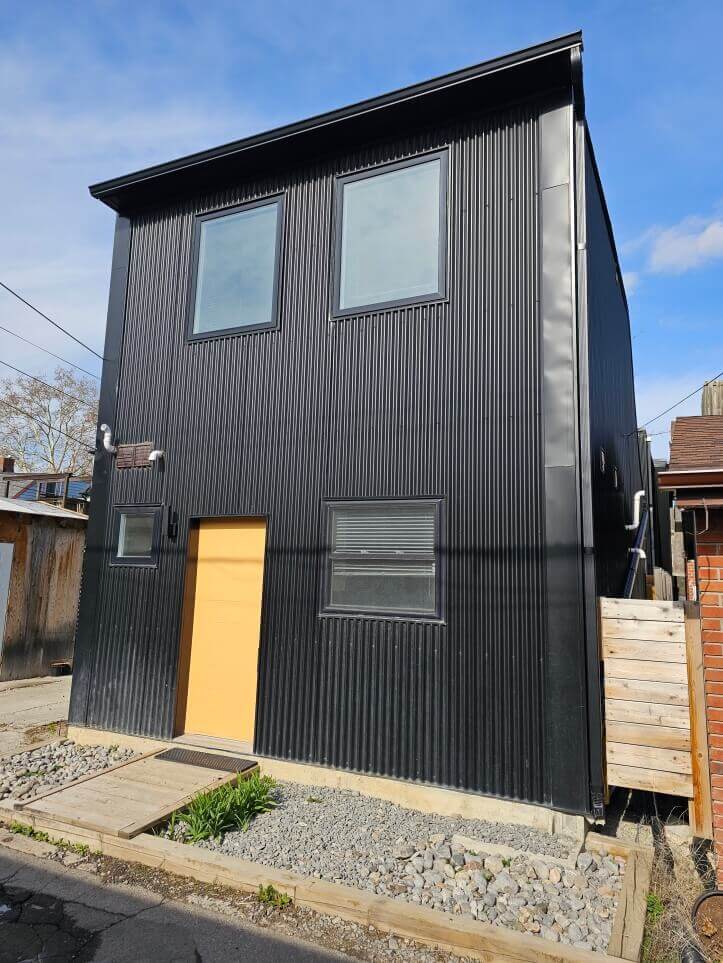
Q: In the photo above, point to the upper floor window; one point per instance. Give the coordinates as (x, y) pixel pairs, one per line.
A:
(391, 235)
(236, 269)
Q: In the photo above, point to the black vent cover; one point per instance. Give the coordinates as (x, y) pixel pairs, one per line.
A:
(207, 760)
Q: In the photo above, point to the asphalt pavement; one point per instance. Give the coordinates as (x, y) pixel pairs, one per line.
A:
(49, 912)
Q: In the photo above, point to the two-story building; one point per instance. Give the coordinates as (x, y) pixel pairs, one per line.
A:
(370, 443)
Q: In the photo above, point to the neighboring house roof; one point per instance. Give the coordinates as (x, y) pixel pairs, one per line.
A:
(696, 461)
(543, 67)
(39, 508)
(696, 442)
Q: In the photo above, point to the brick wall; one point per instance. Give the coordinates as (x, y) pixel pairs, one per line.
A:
(710, 579)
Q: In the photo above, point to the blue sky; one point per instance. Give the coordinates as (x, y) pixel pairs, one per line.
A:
(92, 90)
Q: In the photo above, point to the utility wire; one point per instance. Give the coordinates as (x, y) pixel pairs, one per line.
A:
(56, 356)
(694, 392)
(46, 385)
(54, 323)
(59, 431)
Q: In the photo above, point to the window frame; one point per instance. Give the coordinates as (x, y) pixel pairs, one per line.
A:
(341, 180)
(198, 222)
(328, 611)
(137, 561)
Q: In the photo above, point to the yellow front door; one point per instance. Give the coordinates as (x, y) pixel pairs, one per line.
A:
(221, 625)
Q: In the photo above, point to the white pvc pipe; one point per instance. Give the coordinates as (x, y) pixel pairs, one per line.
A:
(108, 439)
(636, 510)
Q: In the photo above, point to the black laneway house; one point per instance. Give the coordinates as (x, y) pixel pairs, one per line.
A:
(345, 509)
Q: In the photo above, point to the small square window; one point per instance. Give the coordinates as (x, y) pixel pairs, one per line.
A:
(236, 270)
(136, 535)
(383, 558)
(391, 235)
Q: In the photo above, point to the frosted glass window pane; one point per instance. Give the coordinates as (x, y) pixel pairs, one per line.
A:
(375, 587)
(236, 270)
(135, 536)
(391, 236)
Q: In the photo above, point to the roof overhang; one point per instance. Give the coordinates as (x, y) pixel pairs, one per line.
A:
(517, 76)
(695, 478)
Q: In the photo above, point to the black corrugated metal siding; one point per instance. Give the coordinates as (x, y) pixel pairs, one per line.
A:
(442, 400)
(613, 424)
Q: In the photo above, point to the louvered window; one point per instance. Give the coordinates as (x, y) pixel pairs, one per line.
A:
(383, 558)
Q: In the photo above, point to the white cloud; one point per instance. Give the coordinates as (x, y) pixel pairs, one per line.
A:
(631, 279)
(690, 244)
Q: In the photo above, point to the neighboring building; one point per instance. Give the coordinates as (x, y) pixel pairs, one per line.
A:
(712, 401)
(41, 556)
(695, 475)
(64, 490)
(383, 357)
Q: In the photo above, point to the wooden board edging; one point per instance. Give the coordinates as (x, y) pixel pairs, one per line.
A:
(76, 782)
(467, 937)
(700, 808)
(626, 939)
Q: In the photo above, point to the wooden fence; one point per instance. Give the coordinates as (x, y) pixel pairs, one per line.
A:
(655, 725)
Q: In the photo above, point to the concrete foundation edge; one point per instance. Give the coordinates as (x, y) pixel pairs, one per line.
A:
(425, 798)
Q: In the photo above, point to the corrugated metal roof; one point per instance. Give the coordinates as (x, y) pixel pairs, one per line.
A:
(696, 442)
(38, 508)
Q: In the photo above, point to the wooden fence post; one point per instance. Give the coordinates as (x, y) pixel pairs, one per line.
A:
(700, 807)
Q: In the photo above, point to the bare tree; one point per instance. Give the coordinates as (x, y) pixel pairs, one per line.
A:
(49, 429)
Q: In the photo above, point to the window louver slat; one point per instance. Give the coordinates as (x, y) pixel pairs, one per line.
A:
(368, 531)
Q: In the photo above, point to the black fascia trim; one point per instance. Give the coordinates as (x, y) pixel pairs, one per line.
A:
(240, 329)
(137, 561)
(385, 615)
(442, 256)
(108, 191)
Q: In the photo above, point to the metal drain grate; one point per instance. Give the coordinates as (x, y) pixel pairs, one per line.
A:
(207, 760)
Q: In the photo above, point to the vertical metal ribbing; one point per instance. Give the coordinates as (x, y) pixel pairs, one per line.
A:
(441, 399)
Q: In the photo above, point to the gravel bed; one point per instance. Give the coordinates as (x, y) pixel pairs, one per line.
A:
(378, 846)
(28, 773)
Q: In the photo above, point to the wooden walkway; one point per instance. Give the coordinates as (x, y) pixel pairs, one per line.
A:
(126, 799)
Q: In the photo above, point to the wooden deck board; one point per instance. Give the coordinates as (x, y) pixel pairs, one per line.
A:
(129, 799)
(643, 631)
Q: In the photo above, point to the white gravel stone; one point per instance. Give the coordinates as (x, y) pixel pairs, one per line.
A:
(408, 855)
(28, 773)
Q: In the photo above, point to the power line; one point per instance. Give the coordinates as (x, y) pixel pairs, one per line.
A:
(54, 323)
(46, 385)
(694, 392)
(56, 356)
(59, 431)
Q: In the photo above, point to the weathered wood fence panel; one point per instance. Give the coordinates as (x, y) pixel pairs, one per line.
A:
(654, 710)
